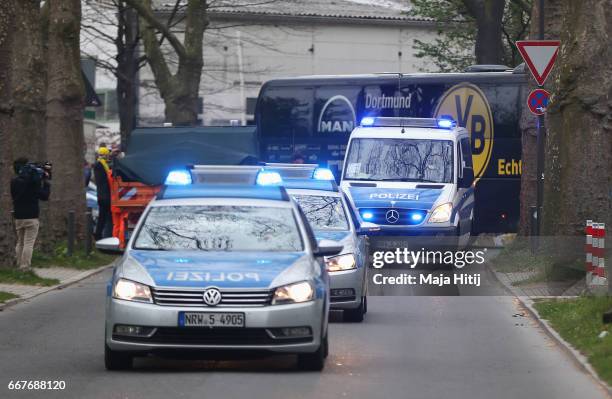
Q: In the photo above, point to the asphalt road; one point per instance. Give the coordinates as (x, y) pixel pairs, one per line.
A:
(408, 347)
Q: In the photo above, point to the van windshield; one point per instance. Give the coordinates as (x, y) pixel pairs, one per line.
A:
(388, 159)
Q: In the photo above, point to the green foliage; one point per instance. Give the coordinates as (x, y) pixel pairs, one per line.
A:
(5, 296)
(579, 321)
(453, 49)
(14, 276)
(79, 260)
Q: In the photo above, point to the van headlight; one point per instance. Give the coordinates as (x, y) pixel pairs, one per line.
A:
(341, 262)
(132, 291)
(293, 293)
(442, 213)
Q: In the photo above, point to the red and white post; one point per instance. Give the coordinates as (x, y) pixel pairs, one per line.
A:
(596, 255)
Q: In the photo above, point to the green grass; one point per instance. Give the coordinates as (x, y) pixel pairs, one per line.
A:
(78, 260)
(5, 296)
(579, 321)
(14, 276)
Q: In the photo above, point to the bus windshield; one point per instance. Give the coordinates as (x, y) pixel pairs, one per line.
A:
(400, 160)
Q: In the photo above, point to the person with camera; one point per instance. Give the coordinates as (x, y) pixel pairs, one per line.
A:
(29, 186)
(103, 177)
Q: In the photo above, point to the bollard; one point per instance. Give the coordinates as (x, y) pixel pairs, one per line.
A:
(70, 247)
(88, 232)
(588, 249)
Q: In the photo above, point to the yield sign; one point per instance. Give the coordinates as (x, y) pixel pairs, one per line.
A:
(539, 55)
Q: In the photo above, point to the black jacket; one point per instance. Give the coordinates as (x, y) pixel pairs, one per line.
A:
(26, 191)
(103, 189)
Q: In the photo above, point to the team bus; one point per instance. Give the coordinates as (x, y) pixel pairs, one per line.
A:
(314, 116)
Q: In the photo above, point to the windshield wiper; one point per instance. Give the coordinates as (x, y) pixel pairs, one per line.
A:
(408, 179)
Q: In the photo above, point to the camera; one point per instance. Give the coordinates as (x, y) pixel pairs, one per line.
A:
(39, 170)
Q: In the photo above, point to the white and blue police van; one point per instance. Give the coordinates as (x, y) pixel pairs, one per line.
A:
(410, 177)
(223, 260)
(315, 190)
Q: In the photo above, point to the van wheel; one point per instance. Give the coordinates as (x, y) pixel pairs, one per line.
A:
(356, 315)
(314, 361)
(114, 360)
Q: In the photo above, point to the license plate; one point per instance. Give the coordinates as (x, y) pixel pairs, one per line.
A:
(209, 319)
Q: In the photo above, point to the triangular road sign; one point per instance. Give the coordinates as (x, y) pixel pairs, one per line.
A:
(539, 55)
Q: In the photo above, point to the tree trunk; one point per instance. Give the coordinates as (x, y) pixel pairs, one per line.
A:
(179, 91)
(127, 70)
(7, 237)
(65, 104)
(552, 28)
(488, 16)
(579, 144)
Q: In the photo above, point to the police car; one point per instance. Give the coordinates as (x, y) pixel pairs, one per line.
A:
(220, 264)
(316, 191)
(407, 177)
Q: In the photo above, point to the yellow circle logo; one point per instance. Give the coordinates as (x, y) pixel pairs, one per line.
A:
(467, 105)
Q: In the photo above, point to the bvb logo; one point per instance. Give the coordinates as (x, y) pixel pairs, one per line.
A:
(468, 105)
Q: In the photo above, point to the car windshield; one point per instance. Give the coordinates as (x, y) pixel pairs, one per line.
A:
(323, 212)
(400, 160)
(219, 228)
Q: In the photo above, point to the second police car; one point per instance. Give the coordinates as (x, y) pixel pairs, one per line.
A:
(407, 177)
(316, 191)
(229, 267)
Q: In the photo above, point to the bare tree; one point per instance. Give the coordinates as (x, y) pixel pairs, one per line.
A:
(65, 104)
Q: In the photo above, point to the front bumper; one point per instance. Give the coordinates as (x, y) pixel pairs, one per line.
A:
(255, 336)
(351, 280)
(427, 237)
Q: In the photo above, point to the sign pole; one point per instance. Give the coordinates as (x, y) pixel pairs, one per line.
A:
(540, 142)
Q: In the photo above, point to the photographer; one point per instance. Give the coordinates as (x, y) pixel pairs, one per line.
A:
(30, 185)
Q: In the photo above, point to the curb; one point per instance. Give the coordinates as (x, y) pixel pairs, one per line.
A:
(66, 283)
(575, 356)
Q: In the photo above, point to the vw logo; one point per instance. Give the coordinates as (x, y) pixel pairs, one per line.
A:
(212, 297)
(392, 216)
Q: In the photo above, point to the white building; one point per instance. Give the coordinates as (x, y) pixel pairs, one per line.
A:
(244, 46)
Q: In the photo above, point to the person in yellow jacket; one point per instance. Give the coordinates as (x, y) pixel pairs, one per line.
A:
(103, 177)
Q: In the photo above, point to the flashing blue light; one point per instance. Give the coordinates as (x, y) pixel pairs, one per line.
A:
(446, 123)
(179, 177)
(367, 215)
(269, 178)
(322, 174)
(416, 217)
(367, 121)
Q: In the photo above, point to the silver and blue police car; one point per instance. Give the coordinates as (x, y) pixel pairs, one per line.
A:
(219, 267)
(316, 192)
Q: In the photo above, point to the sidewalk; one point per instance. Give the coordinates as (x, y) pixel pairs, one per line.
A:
(66, 277)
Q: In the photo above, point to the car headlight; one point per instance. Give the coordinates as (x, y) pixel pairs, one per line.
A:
(442, 213)
(341, 262)
(132, 291)
(293, 293)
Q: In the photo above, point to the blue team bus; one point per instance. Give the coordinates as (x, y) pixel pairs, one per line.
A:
(314, 116)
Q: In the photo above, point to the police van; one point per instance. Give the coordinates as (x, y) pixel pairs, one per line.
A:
(407, 177)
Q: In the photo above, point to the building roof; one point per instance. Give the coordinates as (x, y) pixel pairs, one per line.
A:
(373, 10)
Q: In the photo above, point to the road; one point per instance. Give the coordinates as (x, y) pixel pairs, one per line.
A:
(408, 347)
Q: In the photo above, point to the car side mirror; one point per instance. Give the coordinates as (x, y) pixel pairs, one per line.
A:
(110, 246)
(467, 179)
(328, 248)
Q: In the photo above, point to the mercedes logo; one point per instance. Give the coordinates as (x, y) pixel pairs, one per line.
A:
(212, 297)
(392, 216)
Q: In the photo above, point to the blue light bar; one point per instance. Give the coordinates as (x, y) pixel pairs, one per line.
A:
(268, 178)
(446, 123)
(179, 177)
(224, 191)
(367, 121)
(323, 174)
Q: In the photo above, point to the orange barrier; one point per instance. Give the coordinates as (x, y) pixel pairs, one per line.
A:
(128, 201)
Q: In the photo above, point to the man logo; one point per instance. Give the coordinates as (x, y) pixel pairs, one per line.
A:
(467, 104)
(212, 297)
(392, 216)
(337, 116)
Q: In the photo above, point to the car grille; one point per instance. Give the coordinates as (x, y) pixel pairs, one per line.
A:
(212, 336)
(229, 297)
(405, 216)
